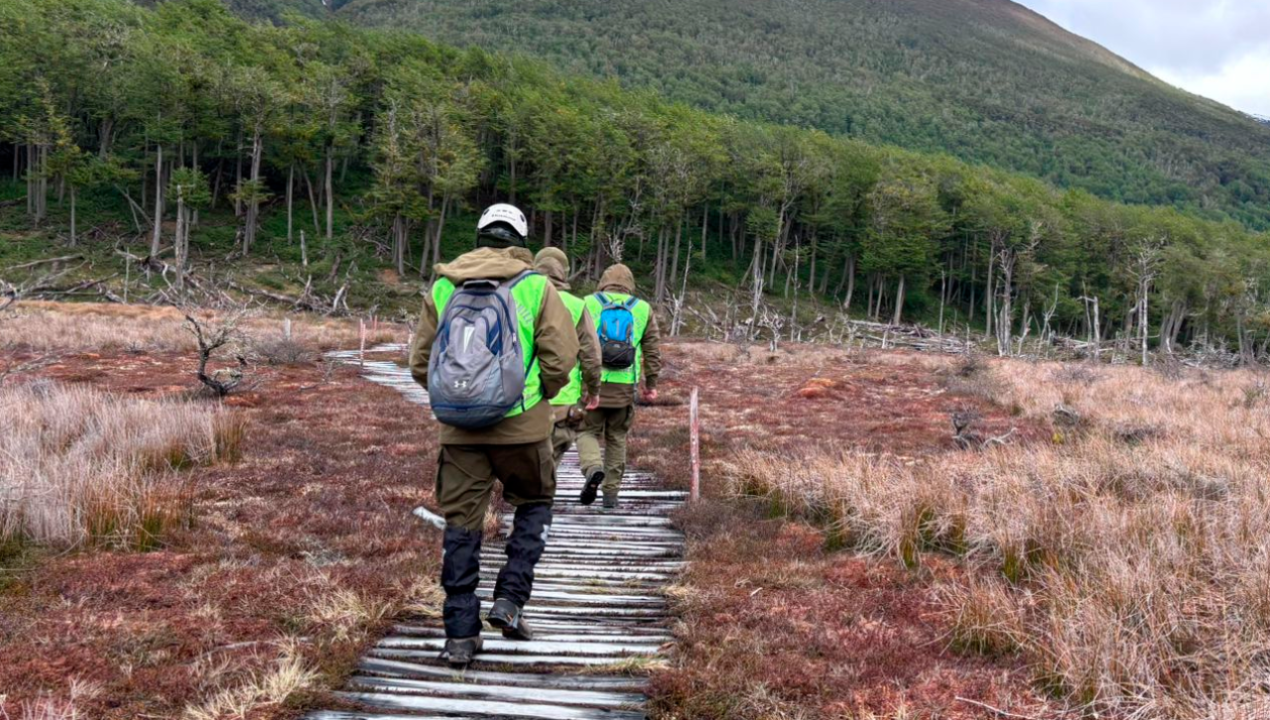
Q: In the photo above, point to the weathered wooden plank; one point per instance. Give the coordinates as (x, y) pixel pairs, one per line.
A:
(642, 494)
(400, 668)
(553, 611)
(532, 647)
(610, 624)
(614, 520)
(487, 707)
(347, 715)
(630, 550)
(508, 693)
(597, 567)
(599, 536)
(545, 572)
(486, 659)
(613, 587)
(552, 598)
(598, 636)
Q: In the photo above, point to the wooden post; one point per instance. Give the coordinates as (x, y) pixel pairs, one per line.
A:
(361, 333)
(286, 328)
(694, 419)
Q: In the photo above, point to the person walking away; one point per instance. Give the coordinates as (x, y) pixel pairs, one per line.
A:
(494, 342)
(583, 391)
(630, 351)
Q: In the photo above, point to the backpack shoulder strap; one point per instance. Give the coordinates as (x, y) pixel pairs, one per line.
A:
(630, 303)
(604, 299)
(523, 275)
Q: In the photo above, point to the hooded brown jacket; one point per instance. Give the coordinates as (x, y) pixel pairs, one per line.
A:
(547, 263)
(619, 278)
(555, 346)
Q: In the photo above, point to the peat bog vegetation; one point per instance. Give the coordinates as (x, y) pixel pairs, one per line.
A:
(885, 533)
(1065, 517)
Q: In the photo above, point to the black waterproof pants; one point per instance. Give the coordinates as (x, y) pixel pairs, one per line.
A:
(465, 479)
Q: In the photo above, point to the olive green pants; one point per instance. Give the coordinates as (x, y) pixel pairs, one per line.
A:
(612, 424)
(562, 437)
(466, 475)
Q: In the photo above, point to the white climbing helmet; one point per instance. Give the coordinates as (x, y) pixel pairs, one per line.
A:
(503, 223)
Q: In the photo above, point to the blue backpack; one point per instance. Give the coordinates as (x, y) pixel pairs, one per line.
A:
(616, 330)
(476, 374)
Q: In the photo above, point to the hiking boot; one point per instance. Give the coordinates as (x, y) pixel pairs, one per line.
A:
(509, 618)
(459, 652)
(610, 500)
(592, 487)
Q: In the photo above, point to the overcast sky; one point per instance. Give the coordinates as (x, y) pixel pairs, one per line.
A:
(1215, 48)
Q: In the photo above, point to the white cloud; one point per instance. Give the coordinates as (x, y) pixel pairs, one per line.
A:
(1242, 83)
(1215, 48)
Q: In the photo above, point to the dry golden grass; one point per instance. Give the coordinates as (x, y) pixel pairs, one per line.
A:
(93, 327)
(267, 689)
(60, 708)
(81, 465)
(1127, 558)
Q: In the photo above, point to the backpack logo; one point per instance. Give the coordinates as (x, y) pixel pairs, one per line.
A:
(617, 330)
(477, 371)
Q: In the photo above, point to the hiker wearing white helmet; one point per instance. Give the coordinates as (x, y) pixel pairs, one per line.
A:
(494, 344)
(502, 226)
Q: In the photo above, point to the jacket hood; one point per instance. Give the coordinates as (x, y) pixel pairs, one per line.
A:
(556, 254)
(554, 271)
(486, 263)
(618, 277)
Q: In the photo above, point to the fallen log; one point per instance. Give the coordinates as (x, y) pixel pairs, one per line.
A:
(46, 261)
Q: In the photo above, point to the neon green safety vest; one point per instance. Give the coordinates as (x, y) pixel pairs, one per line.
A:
(570, 394)
(528, 294)
(629, 376)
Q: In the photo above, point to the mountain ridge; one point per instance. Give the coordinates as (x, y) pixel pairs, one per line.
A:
(987, 81)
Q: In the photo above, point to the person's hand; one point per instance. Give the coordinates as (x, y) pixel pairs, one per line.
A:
(649, 394)
(592, 403)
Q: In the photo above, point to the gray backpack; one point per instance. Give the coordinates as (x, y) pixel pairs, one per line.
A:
(477, 371)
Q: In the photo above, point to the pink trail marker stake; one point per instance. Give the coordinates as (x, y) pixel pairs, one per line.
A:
(694, 418)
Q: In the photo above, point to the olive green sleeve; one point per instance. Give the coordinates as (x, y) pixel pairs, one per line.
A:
(650, 348)
(425, 333)
(589, 354)
(555, 342)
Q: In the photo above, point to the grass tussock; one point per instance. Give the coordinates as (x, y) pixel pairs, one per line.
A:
(266, 689)
(52, 708)
(1125, 558)
(82, 466)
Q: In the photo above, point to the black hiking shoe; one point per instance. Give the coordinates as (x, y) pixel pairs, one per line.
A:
(510, 619)
(592, 487)
(459, 652)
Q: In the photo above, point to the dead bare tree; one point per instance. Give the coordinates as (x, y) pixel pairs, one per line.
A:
(213, 338)
(1145, 268)
(8, 295)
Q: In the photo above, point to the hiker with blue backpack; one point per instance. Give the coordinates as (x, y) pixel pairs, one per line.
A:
(493, 345)
(630, 354)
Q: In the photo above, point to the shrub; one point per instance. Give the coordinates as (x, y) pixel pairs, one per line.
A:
(281, 350)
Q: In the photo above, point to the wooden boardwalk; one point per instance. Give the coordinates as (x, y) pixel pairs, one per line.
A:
(598, 612)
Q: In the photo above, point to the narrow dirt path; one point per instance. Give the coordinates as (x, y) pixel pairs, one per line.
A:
(598, 609)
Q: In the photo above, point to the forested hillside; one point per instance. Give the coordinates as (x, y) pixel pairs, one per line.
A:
(197, 139)
(985, 80)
